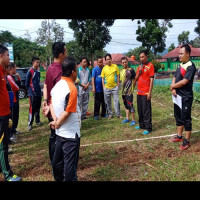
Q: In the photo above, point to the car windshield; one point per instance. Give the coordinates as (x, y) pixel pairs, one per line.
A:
(22, 73)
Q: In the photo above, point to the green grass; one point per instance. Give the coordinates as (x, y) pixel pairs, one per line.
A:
(146, 160)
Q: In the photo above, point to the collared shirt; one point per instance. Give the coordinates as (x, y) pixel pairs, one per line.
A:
(64, 98)
(127, 77)
(144, 79)
(96, 73)
(110, 73)
(4, 97)
(185, 71)
(84, 76)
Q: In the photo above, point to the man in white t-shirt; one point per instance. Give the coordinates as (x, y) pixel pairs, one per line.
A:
(67, 122)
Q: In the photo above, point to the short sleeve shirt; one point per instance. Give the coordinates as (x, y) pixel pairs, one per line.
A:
(127, 77)
(96, 74)
(53, 75)
(64, 98)
(185, 71)
(110, 73)
(144, 79)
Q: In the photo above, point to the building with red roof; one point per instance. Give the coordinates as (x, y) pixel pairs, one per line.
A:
(174, 54)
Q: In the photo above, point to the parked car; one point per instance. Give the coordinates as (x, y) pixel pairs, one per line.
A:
(23, 90)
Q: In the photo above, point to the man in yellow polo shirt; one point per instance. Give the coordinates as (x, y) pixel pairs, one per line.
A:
(110, 82)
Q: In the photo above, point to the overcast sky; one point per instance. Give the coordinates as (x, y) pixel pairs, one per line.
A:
(123, 31)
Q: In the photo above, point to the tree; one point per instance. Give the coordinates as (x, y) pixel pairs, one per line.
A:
(6, 37)
(136, 53)
(196, 42)
(171, 47)
(73, 49)
(183, 37)
(197, 29)
(152, 34)
(49, 33)
(91, 34)
(24, 50)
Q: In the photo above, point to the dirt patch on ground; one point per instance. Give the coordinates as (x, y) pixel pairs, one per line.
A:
(133, 156)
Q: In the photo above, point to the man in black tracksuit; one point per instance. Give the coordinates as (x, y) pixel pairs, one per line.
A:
(181, 85)
(34, 92)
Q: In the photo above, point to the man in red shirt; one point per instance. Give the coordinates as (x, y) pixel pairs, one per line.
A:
(53, 75)
(4, 118)
(145, 77)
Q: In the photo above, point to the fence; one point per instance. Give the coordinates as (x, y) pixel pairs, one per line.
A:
(167, 82)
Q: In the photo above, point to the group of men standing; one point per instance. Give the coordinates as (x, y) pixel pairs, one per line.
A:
(65, 105)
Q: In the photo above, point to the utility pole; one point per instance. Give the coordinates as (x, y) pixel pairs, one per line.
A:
(49, 36)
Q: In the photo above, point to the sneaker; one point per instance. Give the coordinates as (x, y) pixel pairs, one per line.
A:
(14, 178)
(106, 116)
(17, 132)
(13, 139)
(137, 127)
(125, 121)
(185, 145)
(133, 123)
(145, 132)
(176, 139)
(96, 117)
(29, 127)
(10, 150)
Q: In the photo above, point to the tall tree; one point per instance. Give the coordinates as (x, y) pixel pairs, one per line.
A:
(48, 33)
(171, 47)
(6, 37)
(91, 34)
(153, 34)
(75, 50)
(196, 42)
(197, 29)
(183, 37)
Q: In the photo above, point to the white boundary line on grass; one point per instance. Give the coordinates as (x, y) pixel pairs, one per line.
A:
(139, 139)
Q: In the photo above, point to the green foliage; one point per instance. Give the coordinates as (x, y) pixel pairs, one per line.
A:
(91, 34)
(24, 50)
(6, 37)
(184, 37)
(73, 49)
(157, 65)
(152, 34)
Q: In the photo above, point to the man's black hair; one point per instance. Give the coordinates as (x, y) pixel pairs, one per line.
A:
(145, 51)
(34, 58)
(57, 48)
(3, 49)
(68, 65)
(108, 54)
(187, 48)
(83, 57)
(124, 58)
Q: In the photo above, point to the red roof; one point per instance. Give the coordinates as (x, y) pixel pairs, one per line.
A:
(175, 52)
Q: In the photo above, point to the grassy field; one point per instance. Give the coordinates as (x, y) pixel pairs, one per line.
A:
(129, 160)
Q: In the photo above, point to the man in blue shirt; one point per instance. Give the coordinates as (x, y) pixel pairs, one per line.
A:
(34, 92)
(98, 89)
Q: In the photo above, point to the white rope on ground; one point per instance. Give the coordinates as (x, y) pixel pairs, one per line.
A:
(140, 139)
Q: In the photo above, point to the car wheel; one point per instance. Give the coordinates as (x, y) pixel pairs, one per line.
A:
(22, 93)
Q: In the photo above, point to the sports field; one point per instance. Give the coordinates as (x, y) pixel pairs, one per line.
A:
(111, 151)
